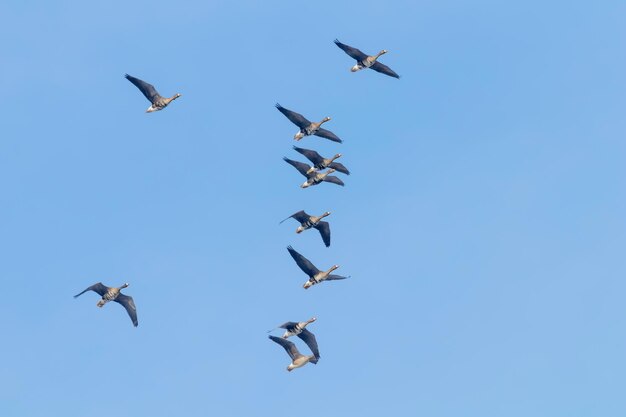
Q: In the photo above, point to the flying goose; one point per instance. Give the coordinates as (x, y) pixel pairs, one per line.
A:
(315, 275)
(313, 178)
(308, 128)
(297, 359)
(148, 90)
(114, 294)
(307, 222)
(321, 163)
(293, 328)
(365, 61)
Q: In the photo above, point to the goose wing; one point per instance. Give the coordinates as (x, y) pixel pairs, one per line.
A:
(300, 216)
(305, 265)
(327, 134)
(333, 277)
(338, 166)
(290, 325)
(309, 339)
(289, 347)
(129, 305)
(353, 52)
(324, 229)
(296, 118)
(148, 90)
(100, 288)
(300, 166)
(311, 155)
(384, 69)
(334, 180)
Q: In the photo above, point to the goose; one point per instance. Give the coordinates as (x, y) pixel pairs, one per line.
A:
(308, 128)
(114, 294)
(293, 328)
(307, 222)
(365, 61)
(148, 90)
(313, 178)
(298, 360)
(315, 275)
(320, 163)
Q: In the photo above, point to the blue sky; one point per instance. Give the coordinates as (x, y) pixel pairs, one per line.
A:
(482, 226)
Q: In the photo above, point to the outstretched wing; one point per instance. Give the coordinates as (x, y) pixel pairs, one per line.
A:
(324, 229)
(300, 216)
(384, 69)
(296, 118)
(305, 265)
(300, 166)
(290, 325)
(311, 155)
(100, 288)
(334, 180)
(353, 52)
(309, 339)
(129, 305)
(327, 134)
(148, 90)
(289, 347)
(339, 167)
(333, 277)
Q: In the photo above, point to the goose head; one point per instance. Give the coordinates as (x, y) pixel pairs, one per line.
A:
(325, 214)
(383, 52)
(175, 96)
(332, 268)
(311, 320)
(337, 156)
(325, 119)
(124, 285)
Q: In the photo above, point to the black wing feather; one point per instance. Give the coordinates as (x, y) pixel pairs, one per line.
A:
(339, 167)
(300, 166)
(129, 305)
(327, 134)
(148, 90)
(333, 277)
(99, 288)
(353, 52)
(334, 180)
(300, 216)
(309, 339)
(289, 347)
(305, 265)
(311, 155)
(296, 118)
(384, 69)
(290, 325)
(324, 229)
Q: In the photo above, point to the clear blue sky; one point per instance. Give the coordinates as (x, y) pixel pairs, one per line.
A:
(483, 223)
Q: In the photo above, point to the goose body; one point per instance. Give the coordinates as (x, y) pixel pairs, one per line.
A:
(366, 61)
(313, 177)
(308, 128)
(315, 275)
(114, 294)
(157, 102)
(320, 163)
(298, 360)
(307, 222)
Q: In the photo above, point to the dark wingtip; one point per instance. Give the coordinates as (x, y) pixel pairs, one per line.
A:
(278, 106)
(126, 76)
(336, 41)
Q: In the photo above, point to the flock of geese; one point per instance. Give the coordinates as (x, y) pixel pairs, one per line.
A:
(315, 174)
